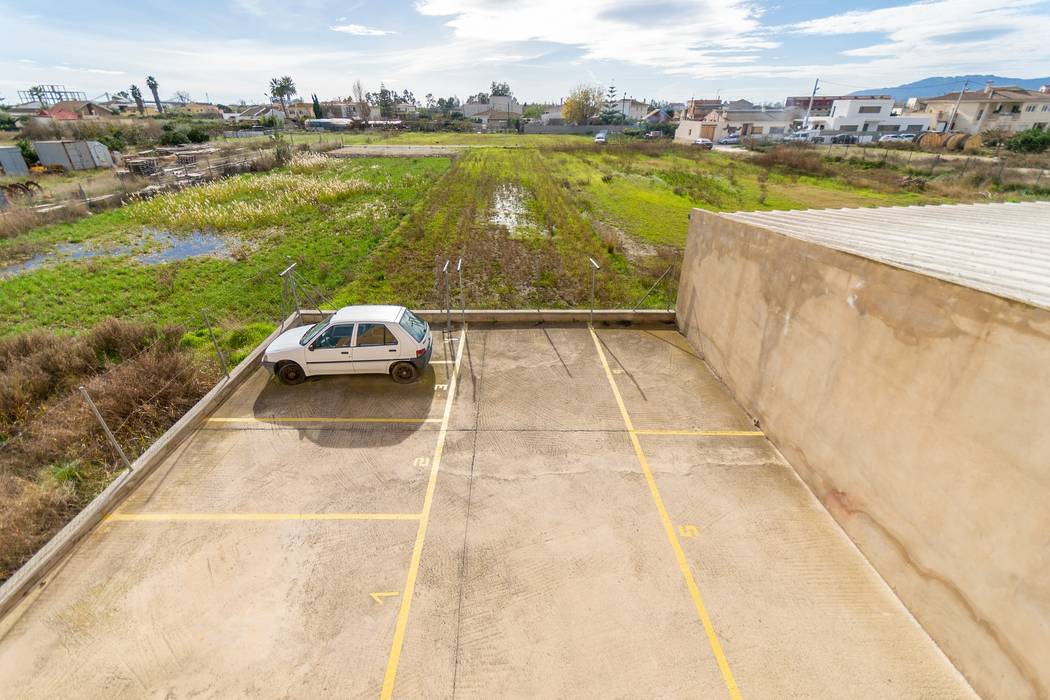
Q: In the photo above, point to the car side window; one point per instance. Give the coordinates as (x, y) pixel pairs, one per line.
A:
(335, 337)
(372, 334)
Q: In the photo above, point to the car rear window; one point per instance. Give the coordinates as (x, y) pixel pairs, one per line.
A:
(415, 326)
(374, 334)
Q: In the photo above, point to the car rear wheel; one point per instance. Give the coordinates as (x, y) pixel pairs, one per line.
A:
(404, 373)
(290, 373)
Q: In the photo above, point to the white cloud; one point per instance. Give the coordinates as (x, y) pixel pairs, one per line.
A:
(675, 33)
(359, 30)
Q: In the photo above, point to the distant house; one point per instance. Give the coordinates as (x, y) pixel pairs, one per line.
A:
(299, 111)
(339, 110)
(658, 116)
(498, 112)
(77, 110)
(197, 109)
(869, 118)
(1008, 107)
(631, 109)
(259, 112)
(746, 123)
(696, 109)
(406, 109)
(822, 103)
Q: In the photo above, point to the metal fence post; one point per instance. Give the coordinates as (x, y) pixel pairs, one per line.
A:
(289, 290)
(594, 270)
(105, 428)
(218, 351)
(448, 299)
(462, 293)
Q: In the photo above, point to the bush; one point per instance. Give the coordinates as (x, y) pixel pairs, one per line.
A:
(198, 135)
(28, 152)
(174, 138)
(1029, 141)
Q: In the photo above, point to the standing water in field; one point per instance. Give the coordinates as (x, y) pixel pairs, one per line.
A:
(509, 211)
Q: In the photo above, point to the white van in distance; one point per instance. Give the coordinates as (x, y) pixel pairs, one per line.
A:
(355, 340)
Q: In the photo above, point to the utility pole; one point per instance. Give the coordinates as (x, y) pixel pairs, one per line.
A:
(955, 109)
(805, 122)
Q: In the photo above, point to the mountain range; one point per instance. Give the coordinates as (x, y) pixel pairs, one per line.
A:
(931, 87)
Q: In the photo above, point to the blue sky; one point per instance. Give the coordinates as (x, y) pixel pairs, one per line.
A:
(227, 50)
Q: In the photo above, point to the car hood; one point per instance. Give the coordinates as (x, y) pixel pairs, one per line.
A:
(289, 340)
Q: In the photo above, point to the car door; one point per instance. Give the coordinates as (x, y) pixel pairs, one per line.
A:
(331, 352)
(375, 348)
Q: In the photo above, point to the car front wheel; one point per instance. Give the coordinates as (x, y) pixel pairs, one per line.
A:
(290, 373)
(404, 373)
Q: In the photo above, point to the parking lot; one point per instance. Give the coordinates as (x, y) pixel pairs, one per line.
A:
(550, 512)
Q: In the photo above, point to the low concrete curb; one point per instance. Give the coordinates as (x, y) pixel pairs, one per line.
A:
(538, 317)
(35, 571)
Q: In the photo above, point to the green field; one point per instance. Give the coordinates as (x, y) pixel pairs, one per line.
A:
(524, 220)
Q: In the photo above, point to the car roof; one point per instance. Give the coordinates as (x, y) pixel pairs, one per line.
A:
(368, 312)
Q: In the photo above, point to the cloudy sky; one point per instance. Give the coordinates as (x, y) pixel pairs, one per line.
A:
(227, 50)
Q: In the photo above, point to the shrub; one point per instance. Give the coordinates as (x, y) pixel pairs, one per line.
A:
(795, 160)
(1030, 141)
(28, 152)
(198, 135)
(173, 137)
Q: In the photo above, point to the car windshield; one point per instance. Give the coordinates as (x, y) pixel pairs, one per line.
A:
(415, 326)
(312, 333)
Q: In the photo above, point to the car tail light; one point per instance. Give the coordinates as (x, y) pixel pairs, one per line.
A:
(420, 351)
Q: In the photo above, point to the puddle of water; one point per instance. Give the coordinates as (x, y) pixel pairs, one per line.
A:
(509, 211)
(160, 247)
(174, 248)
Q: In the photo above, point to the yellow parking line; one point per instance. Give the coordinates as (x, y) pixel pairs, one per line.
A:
(252, 419)
(672, 536)
(712, 433)
(417, 550)
(166, 517)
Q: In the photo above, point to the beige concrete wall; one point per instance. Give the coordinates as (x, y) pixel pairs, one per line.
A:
(918, 412)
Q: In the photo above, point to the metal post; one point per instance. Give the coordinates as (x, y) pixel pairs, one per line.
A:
(105, 428)
(670, 282)
(222, 359)
(286, 279)
(462, 294)
(448, 299)
(594, 269)
(289, 280)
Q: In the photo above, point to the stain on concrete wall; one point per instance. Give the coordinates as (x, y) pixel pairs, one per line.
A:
(917, 412)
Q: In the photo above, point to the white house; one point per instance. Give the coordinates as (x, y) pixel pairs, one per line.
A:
(631, 109)
(755, 123)
(869, 118)
(498, 112)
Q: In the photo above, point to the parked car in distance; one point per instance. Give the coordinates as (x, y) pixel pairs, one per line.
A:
(704, 143)
(907, 137)
(602, 137)
(797, 137)
(729, 140)
(654, 134)
(889, 138)
(844, 138)
(354, 340)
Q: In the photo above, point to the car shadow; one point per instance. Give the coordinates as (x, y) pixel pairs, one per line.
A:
(333, 408)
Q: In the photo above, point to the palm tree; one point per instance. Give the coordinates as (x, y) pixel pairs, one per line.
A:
(282, 88)
(136, 95)
(151, 83)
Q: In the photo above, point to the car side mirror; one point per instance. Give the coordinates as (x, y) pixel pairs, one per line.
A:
(311, 347)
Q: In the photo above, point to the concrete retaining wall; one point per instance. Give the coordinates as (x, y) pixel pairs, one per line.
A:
(916, 410)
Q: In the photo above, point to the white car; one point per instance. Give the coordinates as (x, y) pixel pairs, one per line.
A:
(601, 138)
(355, 340)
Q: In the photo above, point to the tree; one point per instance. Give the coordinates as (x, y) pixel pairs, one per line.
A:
(281, 89)
(361, 100)
(385, 101)
(481, 98)
(182, 96)
(429, 97)
(136, 95)
(583, 104)
(533, 111)
(1032, 140)
(500, 90)
(151, 83)
(122, 95)
(612, 113)
(318, 114)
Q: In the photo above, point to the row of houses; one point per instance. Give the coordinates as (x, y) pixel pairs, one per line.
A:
(870, 117)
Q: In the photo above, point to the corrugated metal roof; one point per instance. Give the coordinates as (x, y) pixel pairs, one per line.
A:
(1003, 249)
